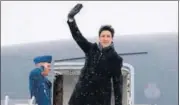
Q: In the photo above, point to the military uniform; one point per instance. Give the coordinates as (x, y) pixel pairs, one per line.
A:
(39, 85)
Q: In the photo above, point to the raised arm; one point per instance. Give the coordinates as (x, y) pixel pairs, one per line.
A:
(118, 81)
(83, 43)
(37, 87)
(34, 77)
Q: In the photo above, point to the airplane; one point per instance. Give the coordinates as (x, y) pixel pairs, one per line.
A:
(150, 68)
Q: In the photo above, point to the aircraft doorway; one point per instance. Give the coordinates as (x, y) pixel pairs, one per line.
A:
(66, 76)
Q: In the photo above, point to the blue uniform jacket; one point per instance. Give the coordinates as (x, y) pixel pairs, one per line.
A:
(40, 87)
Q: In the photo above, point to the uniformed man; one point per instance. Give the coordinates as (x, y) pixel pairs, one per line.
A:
(39, 85)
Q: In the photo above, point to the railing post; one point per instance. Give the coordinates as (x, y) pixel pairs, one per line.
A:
(6, 100)
(32, 100)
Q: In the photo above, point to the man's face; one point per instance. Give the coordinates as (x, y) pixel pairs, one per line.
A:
(47, 68)
(105, 38)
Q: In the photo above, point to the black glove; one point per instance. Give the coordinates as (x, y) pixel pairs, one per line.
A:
(74, 11)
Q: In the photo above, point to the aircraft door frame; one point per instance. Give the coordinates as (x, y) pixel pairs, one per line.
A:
(73, 68)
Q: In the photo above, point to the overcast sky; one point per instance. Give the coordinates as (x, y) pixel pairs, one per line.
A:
(33, 21)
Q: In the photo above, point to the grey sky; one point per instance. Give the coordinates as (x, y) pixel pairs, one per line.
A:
(33, 21)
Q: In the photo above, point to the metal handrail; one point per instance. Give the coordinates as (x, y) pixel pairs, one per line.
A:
(7, 99)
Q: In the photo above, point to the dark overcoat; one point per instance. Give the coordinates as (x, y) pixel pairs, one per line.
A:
(94, 84)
